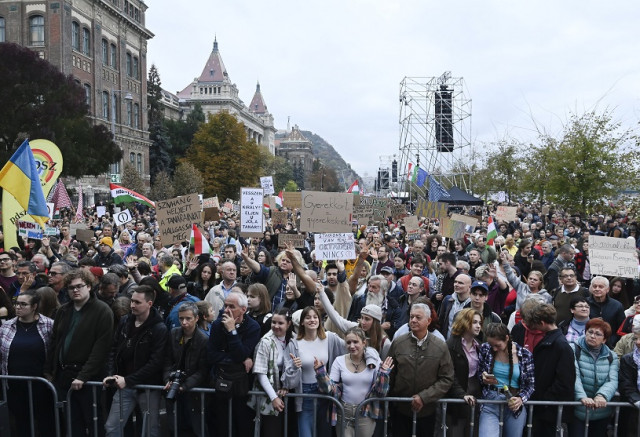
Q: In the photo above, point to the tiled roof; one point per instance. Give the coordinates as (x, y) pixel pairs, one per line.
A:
(257, 105)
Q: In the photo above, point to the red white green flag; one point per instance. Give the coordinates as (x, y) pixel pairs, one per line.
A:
(492, 233)
(125, 195)
(198, 242)
(279, 200)
(354, 188)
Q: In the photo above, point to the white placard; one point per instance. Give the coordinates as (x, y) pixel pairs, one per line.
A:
(506, 213)
(267, 185)
(335, 246)
(122, 217)
(50, 209)
(611, 256)
(101, 210)
(29, 230)
(251, 210)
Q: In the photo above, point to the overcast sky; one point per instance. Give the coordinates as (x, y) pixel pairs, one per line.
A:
(335, 66)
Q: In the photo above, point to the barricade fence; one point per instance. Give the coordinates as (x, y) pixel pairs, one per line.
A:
(204, 395)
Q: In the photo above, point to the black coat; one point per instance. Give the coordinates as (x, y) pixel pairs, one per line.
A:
(628, 379)
(195, 367)
(612, 312)
(460, 367)
(555, 374)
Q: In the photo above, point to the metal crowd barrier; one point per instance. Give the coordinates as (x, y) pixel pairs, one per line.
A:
(30, 380)
(97, 388)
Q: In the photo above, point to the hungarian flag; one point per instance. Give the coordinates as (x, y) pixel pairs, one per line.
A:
(125, 195)
(198, 242)
(279, 200)
(409, 173)
(354, 188)
(492, 233)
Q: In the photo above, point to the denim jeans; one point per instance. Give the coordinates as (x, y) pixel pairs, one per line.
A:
(305, 417)
(490, 418)
(128, 398)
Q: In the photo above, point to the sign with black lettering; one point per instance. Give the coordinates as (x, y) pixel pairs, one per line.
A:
(335, 246)
(122, 217)
(175, 217)
(326, 212)
(251, 223)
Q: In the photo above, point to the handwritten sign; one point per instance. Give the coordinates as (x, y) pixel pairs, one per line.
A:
(279, 218)
(451, 228)
(29, 230)
(339, 246)
(412, 226)
(175, 217)
(122, 217)
(362, 213)
(267, 185)
(251, 223)
(611, 256)
(471, 222)
(506, 213)
(292, 199)
(211, 202)
(211, 214)
(432, 210)
(397, 210)
(85, 235)
(326, 212)
(296, 239)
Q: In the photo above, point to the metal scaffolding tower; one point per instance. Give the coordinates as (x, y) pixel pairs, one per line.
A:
(435, 130)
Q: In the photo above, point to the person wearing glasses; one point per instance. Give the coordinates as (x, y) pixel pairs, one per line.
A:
(563, 296)
(80, 343)
(596, 379)
(24, 342)
(575, 327)
(56, 280)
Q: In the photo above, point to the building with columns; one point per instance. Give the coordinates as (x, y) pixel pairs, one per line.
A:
(103, 44)
(215, 92)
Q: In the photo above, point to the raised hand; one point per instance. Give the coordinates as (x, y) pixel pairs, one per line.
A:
(296, 361)
(387, 364)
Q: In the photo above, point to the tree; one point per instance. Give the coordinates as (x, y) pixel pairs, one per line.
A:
(275, 166)
(38, 101)
(187, 179)
(181, 132)
(503, 164)
(224, 156)
(162, 188)
(323, 178)
(131, 179)
(591, 163)
(160, 149)
(291, 186)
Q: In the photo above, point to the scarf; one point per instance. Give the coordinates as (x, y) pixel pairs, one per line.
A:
(532, 338)
(578, 326)
(636, 359)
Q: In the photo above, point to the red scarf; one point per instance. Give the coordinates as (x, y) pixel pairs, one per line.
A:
(532, 338)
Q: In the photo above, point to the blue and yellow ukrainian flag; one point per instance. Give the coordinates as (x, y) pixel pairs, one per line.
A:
(20, 178)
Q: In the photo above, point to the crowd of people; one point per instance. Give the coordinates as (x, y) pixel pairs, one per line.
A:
(516, 319)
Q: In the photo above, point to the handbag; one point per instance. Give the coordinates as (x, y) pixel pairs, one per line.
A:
(231, 381)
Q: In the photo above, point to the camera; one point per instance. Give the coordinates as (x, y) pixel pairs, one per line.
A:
(175, 378)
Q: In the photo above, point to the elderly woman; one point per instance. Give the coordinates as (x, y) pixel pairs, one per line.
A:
(596, 379)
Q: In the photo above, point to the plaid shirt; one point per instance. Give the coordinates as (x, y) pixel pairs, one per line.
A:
(525, 361)
(378, 389)
(8, 332)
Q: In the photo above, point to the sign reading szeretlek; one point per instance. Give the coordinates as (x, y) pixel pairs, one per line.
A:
(335, 246)
(176, 216)
(326, 212)
(611, 256)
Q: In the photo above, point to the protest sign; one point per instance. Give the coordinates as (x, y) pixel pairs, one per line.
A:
(326, 212)
(292, 199)
(50, 209)
(101, 210)
(451, 228)
(362, 213)
(29, 230)
(176, 216)
(211, 202)
(296, 239)
(412, 226)
(122, 217)
(397, 210)
(431, 210)
(267, 185)
(251, 212)
(211, 214)
(73, 228)
(279, 218)
(506, 213)
(545, 210)
(611, 256)
(85, 235)
(470, 221)
(339, 246)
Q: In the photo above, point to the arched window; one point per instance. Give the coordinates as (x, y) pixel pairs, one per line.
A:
(86, 41)
(132, 158)
(3, 26)
(75, 35)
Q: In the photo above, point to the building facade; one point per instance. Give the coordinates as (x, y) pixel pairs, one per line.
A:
(103, 44)
(298, 150)
(215, 92)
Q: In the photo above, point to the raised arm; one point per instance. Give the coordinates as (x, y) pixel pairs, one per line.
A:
(298, 270)
(252, 263)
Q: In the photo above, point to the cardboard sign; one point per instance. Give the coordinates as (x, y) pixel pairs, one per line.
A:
(175, 217)
(470, 221)
(211, 214)
(362, 213)
(451, 228)
(611, 256)
(506, 213)
(122, 217)
(85, 235)
(431, 210)
(373, 209)
(266, 182)
(545, 210)
(397, 210)
(412, 226)
(74, 227)
(210, 202)
(340, 246)
(326, 212)
(292, 199)
(251, 212)
(101, 210)
(279, 218)
(296, 239)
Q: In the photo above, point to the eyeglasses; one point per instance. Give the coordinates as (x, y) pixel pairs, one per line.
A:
(5, 260)
(595, 333)
(570, 275)
(54, 273)
(76, 287)
(21, 304)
